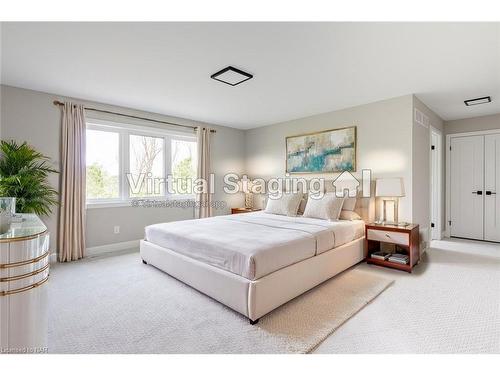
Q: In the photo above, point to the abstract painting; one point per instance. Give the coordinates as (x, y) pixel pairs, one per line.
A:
(322, 152)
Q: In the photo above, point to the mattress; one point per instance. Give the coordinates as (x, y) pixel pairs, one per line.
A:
(253, 245)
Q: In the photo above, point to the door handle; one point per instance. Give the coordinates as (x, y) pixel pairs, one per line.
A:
(479, 192)
(490, 192)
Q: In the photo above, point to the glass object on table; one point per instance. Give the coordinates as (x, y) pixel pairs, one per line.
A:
(7, 211)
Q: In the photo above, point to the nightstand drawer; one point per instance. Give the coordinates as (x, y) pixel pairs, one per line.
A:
(397, 238)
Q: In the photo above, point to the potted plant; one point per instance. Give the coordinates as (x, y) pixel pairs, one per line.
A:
(23, 175)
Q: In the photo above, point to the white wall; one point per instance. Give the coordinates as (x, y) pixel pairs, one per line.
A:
(384, 142)
(421, 138)
(472, 124)
(30, 116)
(388, 142)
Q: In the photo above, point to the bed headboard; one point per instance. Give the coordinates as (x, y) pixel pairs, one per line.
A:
(365, 206)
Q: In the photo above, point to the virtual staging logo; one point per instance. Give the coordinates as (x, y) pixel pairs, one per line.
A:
(147, 189)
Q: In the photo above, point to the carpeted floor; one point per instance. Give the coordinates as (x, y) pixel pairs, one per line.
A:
(450, 304)
(118, 305)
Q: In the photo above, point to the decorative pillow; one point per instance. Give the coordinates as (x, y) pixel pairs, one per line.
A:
(287, 204)
(349, 204)
(349, 215)
(327, 208)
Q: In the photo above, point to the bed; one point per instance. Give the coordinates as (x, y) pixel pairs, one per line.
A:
(255, 262)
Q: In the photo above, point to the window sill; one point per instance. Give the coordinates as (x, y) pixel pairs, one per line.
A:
(129, 202)
(108, 204)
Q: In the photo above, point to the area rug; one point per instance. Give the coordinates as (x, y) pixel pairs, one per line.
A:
(118, 305)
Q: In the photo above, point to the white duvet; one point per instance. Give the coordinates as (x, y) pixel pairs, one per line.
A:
(256, 244)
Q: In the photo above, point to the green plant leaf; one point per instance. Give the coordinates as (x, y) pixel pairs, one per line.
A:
(23, 175)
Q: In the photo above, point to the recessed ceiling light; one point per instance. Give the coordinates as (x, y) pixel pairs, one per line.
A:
(231, 76)
(483, 100)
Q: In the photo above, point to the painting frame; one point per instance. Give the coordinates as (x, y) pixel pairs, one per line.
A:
(354, 157)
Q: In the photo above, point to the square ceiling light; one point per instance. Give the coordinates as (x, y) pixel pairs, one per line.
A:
(231, 76)
(483, 100)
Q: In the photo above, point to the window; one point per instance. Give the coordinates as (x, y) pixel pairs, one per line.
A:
(183, 161)
(146, 164)
(103, 164)
(126, 161)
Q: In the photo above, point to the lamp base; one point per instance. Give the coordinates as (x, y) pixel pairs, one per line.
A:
(249, 200)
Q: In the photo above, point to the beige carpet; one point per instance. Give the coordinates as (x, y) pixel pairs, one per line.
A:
(118, 305)
(449, 304)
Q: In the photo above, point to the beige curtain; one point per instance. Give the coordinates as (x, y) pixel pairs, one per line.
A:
(71, 236)
(203, 200)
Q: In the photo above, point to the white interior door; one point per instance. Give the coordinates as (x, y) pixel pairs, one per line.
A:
(491, 187)
(435, 185)
(466, 187)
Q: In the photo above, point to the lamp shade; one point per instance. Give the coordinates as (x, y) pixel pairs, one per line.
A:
(389, 187)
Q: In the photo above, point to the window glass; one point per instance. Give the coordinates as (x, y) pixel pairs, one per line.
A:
(144, 156)
(103, 164)
(183, 160)
(146, 166)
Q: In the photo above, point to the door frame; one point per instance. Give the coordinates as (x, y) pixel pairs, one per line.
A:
(448, 174)
(439, 183)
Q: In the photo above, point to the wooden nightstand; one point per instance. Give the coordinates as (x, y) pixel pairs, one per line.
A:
(243, 210)
(407, 239)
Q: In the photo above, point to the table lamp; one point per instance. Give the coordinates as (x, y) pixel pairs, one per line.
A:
(246, 187)
(390, 189)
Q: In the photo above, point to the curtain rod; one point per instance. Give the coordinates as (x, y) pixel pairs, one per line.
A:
(57, 102)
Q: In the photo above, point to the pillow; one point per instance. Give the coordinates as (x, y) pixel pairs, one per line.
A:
(287, 204)
(327, 208)
(349, 215)
(349, 204)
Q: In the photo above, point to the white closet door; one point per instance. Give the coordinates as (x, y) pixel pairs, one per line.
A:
(466, 190)
(491, 187)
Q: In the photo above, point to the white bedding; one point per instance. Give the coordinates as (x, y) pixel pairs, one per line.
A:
(256, 244)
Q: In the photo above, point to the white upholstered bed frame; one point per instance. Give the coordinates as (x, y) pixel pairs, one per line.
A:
(255, 298)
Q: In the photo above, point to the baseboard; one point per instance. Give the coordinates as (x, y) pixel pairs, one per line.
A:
(112, 247)
(103, 249)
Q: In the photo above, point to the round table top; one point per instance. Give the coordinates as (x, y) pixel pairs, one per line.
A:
(22, 227)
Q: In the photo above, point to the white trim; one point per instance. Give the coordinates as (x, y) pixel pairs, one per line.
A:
(447, 188)
(103, 249)
(112, 247)
(98, 124)
(96, 204)
(447, 170)
(478, 132)
(439, 154)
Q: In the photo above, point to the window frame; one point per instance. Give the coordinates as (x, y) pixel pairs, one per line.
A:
(124, 131)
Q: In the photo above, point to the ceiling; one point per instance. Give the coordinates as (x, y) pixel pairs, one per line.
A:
(299, 69)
